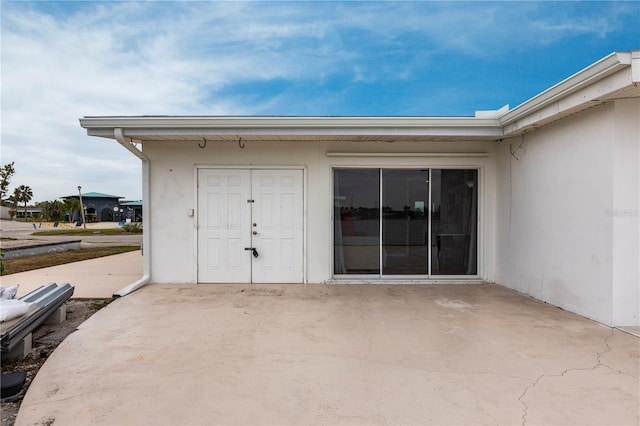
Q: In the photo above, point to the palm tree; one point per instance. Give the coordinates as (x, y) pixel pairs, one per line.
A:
(69, 205)
(50, 209)
(23, 194)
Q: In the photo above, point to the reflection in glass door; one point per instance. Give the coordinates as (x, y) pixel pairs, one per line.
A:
(454, 219)
(405, 224)
(408, 222)
(356, 242)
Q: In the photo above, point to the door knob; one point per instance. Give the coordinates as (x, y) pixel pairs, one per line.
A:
(255, 224)
(255, 232)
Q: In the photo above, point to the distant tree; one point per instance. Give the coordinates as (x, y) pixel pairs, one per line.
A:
(69, 206)
(12, 202)
(50, 210)
(44, 207)
(6, 173)
(22, 194)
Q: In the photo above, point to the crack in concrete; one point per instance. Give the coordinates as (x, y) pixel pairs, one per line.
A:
(609, 349)
(606, 342)
(599, 363)
(525, 407)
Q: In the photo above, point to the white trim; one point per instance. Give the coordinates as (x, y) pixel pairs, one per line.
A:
(407, 154)
(635, 66)
(196, 226)
(250, 167)
(257, 124)
(305, 251)
(410, 281)
(589, 75)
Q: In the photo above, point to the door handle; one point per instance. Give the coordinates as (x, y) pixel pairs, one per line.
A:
(254, 251)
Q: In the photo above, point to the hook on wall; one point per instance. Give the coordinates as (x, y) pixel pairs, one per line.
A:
(205, 143)
(240, 144)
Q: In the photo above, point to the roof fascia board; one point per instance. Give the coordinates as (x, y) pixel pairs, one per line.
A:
(292, 126)
(275, 132)
(103, 133)
(287, 123)
(635, 66)
(573, 101)
(593, 73)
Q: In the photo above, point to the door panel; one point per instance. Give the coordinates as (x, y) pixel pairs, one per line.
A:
(226, 228)
(454, 219)
(356, 224)
(405, 224)
(277, 213)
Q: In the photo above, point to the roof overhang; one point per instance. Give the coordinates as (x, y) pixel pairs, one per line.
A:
(295, 128)
(615, 76)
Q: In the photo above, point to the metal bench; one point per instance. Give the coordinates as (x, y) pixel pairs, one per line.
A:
(44, 302)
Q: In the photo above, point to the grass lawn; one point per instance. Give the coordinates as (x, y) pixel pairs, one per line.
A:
(29, 263)
(107, 231)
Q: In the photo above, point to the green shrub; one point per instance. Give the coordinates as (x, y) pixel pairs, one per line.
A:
(133, 228)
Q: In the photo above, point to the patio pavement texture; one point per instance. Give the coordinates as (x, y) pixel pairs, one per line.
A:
(339, 354)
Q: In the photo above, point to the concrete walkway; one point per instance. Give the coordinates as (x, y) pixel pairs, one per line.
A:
(317, 354)
(95, 278)
(21, 231)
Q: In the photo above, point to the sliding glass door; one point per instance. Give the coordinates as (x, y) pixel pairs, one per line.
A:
(356, 242)
(454, 214)
(405, 222)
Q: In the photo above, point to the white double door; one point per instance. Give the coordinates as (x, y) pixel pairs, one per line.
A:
(250, 226)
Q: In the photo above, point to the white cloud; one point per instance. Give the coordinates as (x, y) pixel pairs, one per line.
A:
(61, 61)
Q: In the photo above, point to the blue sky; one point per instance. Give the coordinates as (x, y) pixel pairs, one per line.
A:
(64, 60)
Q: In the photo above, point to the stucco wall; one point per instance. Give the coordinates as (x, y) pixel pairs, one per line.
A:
(173, 193)
(4, 213)
(558, 236)
(625, 213)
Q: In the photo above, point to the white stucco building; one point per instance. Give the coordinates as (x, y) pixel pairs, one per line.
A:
(542, 198)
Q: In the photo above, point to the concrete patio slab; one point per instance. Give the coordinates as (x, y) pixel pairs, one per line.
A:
(350, 354)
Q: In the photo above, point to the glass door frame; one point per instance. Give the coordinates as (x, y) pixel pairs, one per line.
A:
(428, 211)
